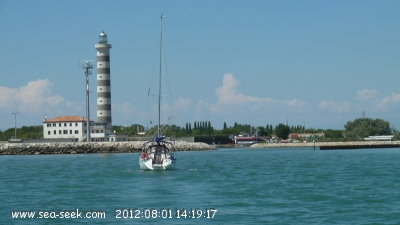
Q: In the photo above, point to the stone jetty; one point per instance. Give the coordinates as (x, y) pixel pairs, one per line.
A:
(332, 145)
(91, 147)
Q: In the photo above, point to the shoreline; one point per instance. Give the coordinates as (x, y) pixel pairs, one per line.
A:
(332, 145)
(135, 146)
(90, 148)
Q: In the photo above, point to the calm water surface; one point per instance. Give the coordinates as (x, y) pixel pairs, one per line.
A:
(245, 186)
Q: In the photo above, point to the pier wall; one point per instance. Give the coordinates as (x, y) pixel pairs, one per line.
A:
(333, 145)
(91, 147)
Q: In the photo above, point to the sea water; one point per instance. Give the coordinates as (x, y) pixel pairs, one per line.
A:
(236, 186)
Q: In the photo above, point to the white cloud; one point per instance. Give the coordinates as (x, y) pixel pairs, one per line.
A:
(127, 114)
(182, 103)
(7, 96)
(366, 94)
(125, 109)
(227, 93)
(368, 99)
(387, 101)
(334, 106)
(35, 98)
(202, 110)
(230, 101)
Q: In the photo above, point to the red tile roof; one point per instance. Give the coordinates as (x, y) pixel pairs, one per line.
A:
(66, 119)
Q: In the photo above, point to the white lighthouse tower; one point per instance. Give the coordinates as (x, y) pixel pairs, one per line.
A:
(103, 83)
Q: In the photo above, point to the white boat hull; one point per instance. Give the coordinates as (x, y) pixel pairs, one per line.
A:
(147, 164)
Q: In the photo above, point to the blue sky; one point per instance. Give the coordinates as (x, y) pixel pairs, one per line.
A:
(321, 63)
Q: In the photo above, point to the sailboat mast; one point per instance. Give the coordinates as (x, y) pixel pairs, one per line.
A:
(159, 80)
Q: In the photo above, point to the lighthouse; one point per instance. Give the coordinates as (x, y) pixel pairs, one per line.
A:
(103, 83)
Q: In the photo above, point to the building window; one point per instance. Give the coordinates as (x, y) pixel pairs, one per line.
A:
(76, 131)
(65, 124)
(97, 131)
(76, 124)
(70, 131)
(65, 131)
(59, 132)
(70, 124)
(54, 125)
(59, 124)
(55, 132)
(48, 132)
(101, 131)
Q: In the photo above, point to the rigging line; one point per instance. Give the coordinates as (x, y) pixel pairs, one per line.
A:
(166, 73)
(166, 88)
(168, 85)
(159, 78)
(156, 56)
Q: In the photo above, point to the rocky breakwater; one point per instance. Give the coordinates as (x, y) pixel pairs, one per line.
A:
(92, 147)
(332, 145)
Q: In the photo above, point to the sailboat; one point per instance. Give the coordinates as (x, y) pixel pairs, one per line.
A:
(157, 154)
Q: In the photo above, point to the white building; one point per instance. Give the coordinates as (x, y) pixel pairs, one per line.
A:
(74, 127)
(71, 127)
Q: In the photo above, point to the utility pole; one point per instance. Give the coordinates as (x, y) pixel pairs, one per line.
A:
(15, 124)
(314, 139)
(87, 67)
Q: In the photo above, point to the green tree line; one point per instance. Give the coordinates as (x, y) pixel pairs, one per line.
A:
(25, 132)
(354, 130)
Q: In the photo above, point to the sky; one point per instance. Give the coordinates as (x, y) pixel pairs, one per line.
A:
(313, 63)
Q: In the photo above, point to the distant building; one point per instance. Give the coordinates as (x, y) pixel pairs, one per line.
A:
(379, 138)
(71, 127)
(74, 127)
(247, 141)
(305, 136)
(244, 134)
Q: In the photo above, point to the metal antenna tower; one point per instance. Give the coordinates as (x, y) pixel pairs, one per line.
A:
(87, 67)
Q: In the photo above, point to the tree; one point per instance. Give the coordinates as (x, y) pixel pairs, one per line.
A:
(196, 132)
(396, 135)
(333, 134)
(282, 131)
(269, 129)
(260, 131)
(209, 129)
(224, 126)
(364, 127)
